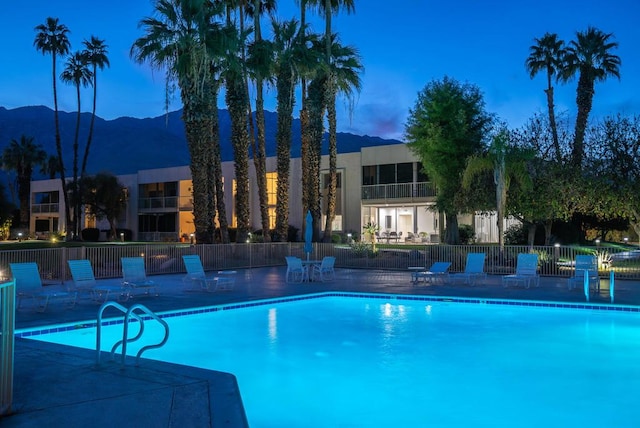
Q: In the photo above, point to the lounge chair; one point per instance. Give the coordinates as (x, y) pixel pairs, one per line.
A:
(437, 272)
(585, 265)
(296, 272)
(135, 277)
(29, 284)
(473, 270)
(84, 282)
(526, 272)
(325, 271)
(196, 275)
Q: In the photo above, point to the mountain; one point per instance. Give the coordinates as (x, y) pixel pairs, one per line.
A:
(126, 145)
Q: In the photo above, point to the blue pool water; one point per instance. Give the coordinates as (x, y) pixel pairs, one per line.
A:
(361, 362)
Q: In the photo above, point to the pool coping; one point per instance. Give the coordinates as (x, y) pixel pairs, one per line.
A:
(57, 328)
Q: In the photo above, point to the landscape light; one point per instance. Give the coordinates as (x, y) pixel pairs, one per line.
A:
(121, 236)
(19, 236)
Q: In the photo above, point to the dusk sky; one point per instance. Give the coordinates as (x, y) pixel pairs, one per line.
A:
(404, 45)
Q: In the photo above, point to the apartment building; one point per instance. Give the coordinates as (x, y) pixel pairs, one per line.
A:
(381, 184)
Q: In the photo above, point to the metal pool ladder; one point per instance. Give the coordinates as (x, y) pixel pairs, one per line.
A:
(129, 315)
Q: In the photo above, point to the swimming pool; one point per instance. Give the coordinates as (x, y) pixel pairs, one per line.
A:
(391, 361)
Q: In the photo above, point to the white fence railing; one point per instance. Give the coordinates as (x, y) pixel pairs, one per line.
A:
(167, 258)
(7, 318)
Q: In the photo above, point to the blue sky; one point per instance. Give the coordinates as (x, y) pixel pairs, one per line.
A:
(403, 46)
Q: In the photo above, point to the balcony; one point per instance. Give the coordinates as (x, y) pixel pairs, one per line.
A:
(402, 192)
(44, 208)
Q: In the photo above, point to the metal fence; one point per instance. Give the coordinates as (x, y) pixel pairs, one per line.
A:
(7, 318)
(166, 259)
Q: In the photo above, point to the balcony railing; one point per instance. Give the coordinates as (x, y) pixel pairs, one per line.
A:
(158, 203)
(410, 191)
(44, 208)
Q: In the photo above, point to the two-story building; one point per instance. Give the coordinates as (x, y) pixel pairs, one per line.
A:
(381, 184)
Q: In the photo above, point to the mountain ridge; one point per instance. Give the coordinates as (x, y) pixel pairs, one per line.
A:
(125, 145)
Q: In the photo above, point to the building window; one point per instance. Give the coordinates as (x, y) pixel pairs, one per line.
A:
(404, 172)
(422, 176)
(369, 175)
(387, 174)
(272, 197)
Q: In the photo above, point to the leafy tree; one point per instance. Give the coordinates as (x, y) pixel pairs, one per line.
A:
(105, 198)
(614, 164)
(547, 55)
(447, 125)
(22, 156)
(51, 38)
(589, 56)
(76, 72)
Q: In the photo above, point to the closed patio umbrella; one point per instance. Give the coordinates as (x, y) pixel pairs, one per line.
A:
(308, 234)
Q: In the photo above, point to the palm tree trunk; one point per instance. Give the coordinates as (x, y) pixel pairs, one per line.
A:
(236, 103)
(63, 180)
(285, 88)
(333, 156)
(452, 236)
(76, 199)
(315, 131)
(584, 100)
(553, 124)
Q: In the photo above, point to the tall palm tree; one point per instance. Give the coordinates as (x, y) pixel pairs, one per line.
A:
(589, 56)
(547, 55)
(291, 58)
(344, 69)
(51, 38)
(96, 54)
(182, 40)
(261, 57)
(77, 73)
(22, 156)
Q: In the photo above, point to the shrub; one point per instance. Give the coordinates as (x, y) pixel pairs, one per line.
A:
(336, 238)
(467, 234)
(515, 234)
(91, 234)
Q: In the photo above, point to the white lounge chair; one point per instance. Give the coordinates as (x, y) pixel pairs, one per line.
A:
(296, 272)
(526, 272)
(196, 275)
(437, 272)
(473, 270)
(325, 271)
(585, 265)
(134, 275)
(29, 284)
(84, 282)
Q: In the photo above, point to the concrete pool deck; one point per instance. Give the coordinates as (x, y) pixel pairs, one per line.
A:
(62, 386)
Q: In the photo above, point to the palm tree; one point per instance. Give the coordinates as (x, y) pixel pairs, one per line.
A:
(51, 38)
(590, 56)
(76, 72)
(96, 55)
(547, 55)
(182, 40)
(22, 156)
(344, 67)
(291, 57)
(260, 53)
(507, 163)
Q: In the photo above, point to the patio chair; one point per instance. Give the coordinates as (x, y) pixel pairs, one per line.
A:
(135, 277)
(196, 275)
(84, 282)
(526, 272)
(29, 284)
(585, 265)
(437, 272)
(473, 270)
(325, 270)
(296, 272)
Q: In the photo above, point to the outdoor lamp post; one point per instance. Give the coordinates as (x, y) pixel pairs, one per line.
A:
(121, 236)
(556, 248)
(19, 236)
(349, 237)
(191, 236)
(626, 240)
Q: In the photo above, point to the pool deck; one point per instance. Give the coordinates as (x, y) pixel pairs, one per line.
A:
(59, 386)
